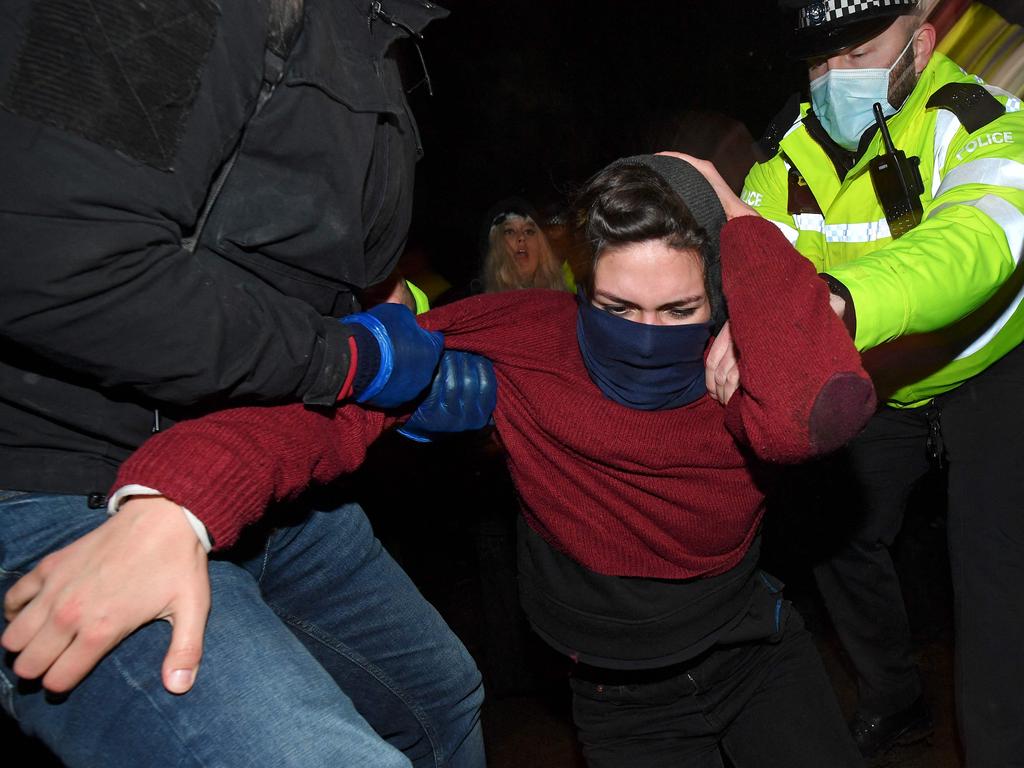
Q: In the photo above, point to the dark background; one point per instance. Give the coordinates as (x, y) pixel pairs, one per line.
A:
(533, 96)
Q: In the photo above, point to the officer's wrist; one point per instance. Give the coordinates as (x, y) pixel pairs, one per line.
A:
(367, 359)
(840, 298)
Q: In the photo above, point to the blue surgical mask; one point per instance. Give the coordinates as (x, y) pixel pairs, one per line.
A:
(646, 367)
(843, 100)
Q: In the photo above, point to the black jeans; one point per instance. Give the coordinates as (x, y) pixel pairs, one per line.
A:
(764, 704)
(982, 430)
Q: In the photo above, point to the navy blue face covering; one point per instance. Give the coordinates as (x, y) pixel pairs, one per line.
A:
(646, 367)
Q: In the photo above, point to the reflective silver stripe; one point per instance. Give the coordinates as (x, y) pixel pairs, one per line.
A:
(995, 90)
(988, 170)
(1008, 217)
(793, 127)
(861, 232)
(1011, 220)
(996, 327)
(946, 126)
(814, 222)
(866, 232)
(790, 233)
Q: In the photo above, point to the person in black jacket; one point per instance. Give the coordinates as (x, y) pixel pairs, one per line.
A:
(191, 192)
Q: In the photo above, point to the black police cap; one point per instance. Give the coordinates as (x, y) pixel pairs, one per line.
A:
(825, 27)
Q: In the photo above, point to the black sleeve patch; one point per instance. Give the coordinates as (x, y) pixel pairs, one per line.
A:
(973, 106)
(121, 74)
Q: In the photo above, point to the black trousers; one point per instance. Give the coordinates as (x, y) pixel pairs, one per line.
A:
(981, 425)
(871, 484)
(764, 704)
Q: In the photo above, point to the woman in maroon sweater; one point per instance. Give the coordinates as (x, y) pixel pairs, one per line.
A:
(641, 495)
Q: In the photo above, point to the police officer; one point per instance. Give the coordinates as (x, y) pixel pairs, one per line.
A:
(925, 273)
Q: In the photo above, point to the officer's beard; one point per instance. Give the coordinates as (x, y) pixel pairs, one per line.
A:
(902, 79)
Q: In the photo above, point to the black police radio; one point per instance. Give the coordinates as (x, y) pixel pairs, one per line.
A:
(897, 182)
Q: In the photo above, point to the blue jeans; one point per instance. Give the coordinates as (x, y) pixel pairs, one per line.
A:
(318, 651)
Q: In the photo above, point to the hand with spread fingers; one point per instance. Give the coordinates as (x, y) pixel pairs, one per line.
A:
(79, 602)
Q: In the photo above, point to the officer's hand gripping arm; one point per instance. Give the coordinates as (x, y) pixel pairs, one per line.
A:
(407, 355)
(462, 398)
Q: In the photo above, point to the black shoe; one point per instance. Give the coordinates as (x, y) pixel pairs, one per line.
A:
(874, 735)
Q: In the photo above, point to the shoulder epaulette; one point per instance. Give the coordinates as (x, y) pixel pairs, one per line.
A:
(973, 106)
(778, 126)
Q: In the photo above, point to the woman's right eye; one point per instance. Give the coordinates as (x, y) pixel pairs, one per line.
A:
(682, 312)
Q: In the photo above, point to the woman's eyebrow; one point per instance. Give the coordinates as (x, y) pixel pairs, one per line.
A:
(695, 299)
(683, 301)
(599, 294)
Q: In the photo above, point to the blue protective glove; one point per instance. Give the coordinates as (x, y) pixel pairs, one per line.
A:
(462, 398)
(408, 355)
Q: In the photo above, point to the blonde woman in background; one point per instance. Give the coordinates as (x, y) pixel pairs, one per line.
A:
(518, 254)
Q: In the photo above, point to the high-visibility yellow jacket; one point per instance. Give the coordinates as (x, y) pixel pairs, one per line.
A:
(943, 302)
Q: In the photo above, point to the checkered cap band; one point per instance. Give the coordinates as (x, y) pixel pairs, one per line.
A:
(828, 11)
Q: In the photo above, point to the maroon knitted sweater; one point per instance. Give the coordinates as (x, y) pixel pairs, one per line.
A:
(662, 494)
